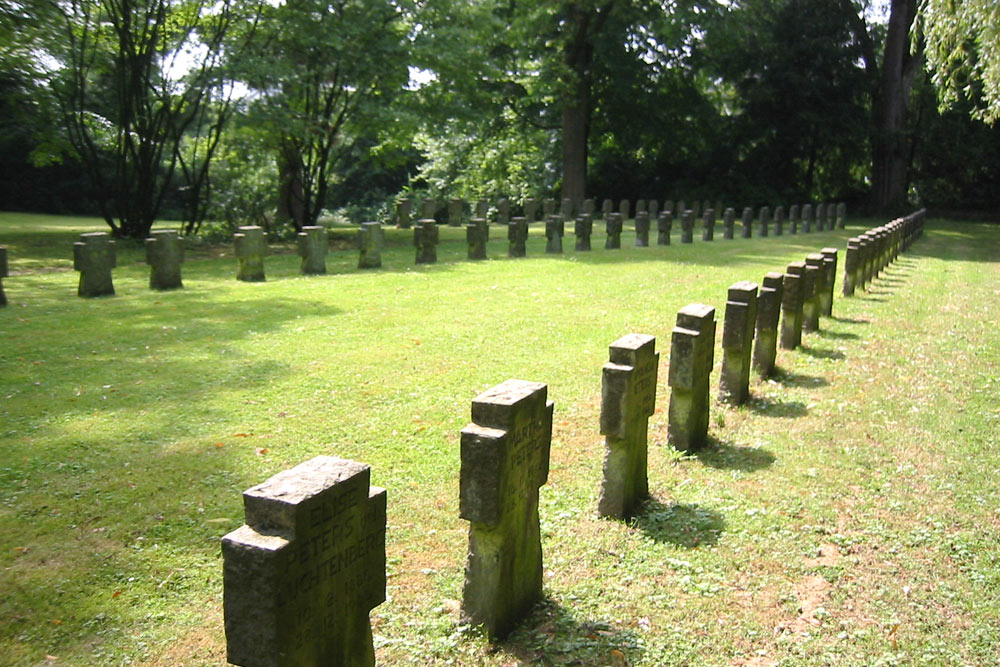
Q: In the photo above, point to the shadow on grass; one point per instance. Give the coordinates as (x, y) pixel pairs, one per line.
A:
(727, 456)
(553, 634)
(684, 525)
(769, 407)
(837, 335)
(820, 352)
(800, 380)
(849, 320)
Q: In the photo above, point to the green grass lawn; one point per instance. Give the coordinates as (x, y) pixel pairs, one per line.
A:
(849, 515)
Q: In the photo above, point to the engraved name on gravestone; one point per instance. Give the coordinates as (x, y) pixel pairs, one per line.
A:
(642, 229)
(583, 229)
(370, 243)
(517, 237)
(165, 254)
(94, 256)
(4, 273)
(664, 223)
(302, 575)
(737, 342)
(505, 459)
(425, 240)
(747, 222)
(687, 226)
(477, 233)
(692, 353)
(404, 209)
(792, 297)
(613, 229)
(829, 278)
(554, 230)
(728, 223)
(768, 312)
(251, 248)
(628, 398)
(312, 246)
(708, 225)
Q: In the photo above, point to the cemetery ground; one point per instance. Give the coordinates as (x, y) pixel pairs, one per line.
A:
(849, 514)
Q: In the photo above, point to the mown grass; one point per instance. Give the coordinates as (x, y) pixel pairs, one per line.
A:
(848, 515)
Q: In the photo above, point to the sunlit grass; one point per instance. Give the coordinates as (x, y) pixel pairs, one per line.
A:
(130, 425)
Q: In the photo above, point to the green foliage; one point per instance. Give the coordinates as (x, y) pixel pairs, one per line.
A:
(962, 39)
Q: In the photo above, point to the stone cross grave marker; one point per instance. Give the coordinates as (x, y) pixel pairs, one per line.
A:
(728, 223)
(607, 207)
(653, 206)
(640, 206)
(692, 353)
(831, 216)
(813, 285)
(517, 236)
(554, 230)
(404, 209)
(4, 273)
(477, 233)
(370, 241)
(779, 221)
(765, 220)
(687, 226)
(251, 249)
(851, 264)
(530, 209)
(94, 256)
(583, 229)
(793, 219)
(696, 209)
(768, 312)
(668, 205)
(642, 229)
(548, 207)
(681, 207)
(613, 227)
(747, 222)
(566, 208)
(807, 218)
(625, 208)
(505, 459)
(587, 207)
(428, 209)
(165, 254)
(737, 342)
(302, 575)
(482, 208)
(663, 225)
(708, 225)
(841, 215)
(456, 211)
(829, 278)
(818, 217)
(313, 246)
(792, 286)
(425, 240)
(503, 211)
(628, 398)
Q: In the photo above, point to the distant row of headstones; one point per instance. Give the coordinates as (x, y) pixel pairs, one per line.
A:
(94, 253)
(303, 574)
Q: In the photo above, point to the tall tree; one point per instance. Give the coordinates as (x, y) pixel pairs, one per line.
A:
(326, 71)
(131, 77)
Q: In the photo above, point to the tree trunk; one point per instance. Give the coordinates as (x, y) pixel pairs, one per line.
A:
(291, 194)
(890, 144)
(574, 136)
